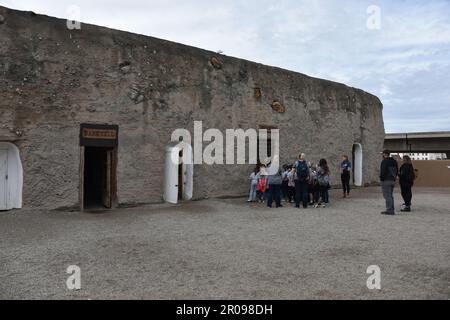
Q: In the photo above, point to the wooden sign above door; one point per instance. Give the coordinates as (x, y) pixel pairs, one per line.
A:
(94, 135)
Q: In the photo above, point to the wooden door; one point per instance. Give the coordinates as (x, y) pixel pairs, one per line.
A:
(107, 198)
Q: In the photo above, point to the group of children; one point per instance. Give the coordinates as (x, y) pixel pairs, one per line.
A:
(301, 183)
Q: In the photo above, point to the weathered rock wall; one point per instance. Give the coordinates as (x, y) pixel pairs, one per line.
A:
(52, 79)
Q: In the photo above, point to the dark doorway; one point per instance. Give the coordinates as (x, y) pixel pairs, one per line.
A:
(180, 178)
(264, 145)
(99, 177)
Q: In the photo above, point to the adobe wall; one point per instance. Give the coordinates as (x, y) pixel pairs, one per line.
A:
(434, 174)
(53, 79)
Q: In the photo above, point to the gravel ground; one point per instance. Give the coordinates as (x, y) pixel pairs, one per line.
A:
(227, 249)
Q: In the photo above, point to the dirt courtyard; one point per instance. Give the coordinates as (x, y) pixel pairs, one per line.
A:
(228, 249)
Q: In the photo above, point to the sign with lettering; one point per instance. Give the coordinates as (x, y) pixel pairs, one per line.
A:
(94, 135)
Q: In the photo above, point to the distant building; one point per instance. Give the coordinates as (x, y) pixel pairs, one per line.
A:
(428, 156)
(423, 156)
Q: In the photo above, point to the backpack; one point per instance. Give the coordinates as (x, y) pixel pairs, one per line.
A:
(323, 179)
(262, 185)
(302, 171)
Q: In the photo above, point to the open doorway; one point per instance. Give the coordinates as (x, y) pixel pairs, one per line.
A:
(181, 186)
(357, 165)
(99, 177)
(98, 165)
(265, 147)
(179, 173)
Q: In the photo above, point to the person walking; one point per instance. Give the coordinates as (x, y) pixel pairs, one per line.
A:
(254, 178)
(407, 176)
(388, 177)
(301, 184)
(323, 179)
(346, 167)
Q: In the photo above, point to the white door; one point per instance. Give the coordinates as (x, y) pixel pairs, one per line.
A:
(4, 179)
(171, 174)
(172, 177)
(358, 165)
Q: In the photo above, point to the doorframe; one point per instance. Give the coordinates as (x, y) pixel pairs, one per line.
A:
(5, 178)
(14, 183)
(81, 188)
(101, 136)
(358, 161)
(113, 182)
(187, 175)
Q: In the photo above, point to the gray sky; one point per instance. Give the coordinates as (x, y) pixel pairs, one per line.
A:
(406, 62)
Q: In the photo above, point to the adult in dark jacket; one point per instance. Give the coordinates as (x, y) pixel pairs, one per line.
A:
(301, 182)
(407, 176)
(388, 177)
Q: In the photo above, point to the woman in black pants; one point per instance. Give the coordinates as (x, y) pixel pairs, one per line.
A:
(407, 176)
(346, 167)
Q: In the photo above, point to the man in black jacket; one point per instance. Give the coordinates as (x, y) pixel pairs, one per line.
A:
(388, 177)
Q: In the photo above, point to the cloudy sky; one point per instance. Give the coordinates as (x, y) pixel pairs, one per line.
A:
(403, 57)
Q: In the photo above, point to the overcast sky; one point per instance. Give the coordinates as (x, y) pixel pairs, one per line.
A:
(406, 62)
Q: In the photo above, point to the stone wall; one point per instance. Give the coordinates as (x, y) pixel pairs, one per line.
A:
(53, 79)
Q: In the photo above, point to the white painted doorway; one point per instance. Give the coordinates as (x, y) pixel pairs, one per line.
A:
(358, 165)
(179, 173)
(3, 179)
(11, 177)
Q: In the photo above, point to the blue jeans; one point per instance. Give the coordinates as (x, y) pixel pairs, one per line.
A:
(274, 193)
(252, 196)
(388, 193)
(323, 194)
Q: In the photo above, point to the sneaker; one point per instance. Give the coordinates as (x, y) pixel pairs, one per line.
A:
(388, 213)
(406, 209)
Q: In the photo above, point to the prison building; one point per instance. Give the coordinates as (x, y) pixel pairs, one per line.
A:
(86, 116)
